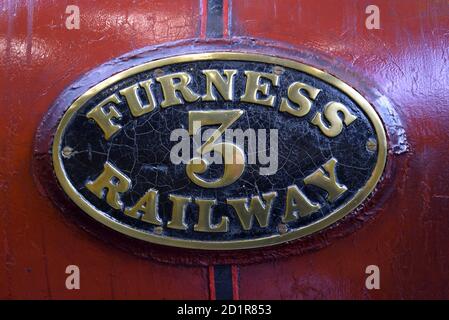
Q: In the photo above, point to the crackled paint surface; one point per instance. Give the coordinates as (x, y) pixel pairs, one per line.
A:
(404, 232)
(141, 150)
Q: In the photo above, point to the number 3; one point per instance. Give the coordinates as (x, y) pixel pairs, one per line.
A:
(234, 158)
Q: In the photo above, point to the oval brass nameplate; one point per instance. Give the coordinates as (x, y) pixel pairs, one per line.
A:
(221, 150)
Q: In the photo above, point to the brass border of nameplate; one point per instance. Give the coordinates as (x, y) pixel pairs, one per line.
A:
(336, 215)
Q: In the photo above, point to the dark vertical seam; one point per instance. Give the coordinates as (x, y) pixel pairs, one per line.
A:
(214, 26)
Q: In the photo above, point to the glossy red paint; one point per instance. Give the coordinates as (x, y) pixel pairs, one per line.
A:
(43, 170)
(37, 61)
(408, 59)
(406, 237)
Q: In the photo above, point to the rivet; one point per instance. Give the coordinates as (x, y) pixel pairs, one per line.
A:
(282, 228)
(67, 152)
(278, 70)
(159, 72)
(158, 230)
(371, 144)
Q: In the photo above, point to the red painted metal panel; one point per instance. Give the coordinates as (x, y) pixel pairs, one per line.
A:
(39, 57)
(407, 58)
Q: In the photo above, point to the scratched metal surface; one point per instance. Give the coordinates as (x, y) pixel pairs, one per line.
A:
(39, 57)
(407, 58)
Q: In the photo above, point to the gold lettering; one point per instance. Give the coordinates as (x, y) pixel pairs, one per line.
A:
(178, 212)
(205, 220)
(170, 88)
(104, 119)
(147, 207)
(114, 181)
(296, 96)
(256, 208)
(327, 182)
(135, 102)
(331, 111)
(254, 86)
(297, 204)
(234, 158)
(224, 87)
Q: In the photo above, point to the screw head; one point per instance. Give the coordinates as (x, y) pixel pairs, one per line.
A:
(158, 230)
(67, 152)
(159, 72)
(371, 144)
(278, 70)
(282, 228)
